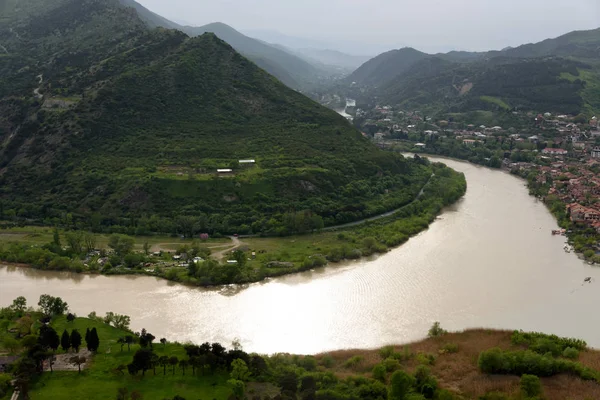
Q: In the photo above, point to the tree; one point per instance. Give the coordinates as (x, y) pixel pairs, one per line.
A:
(163, 341)
(531, 386)
(56, 239)
(146, 338)
(155, 362)
(173, 361)
(49, 338)
(183, 364)
(75, 340)
(308, 388)
(237, 387)
(74, 240)
(239, 370)
(240, 257)
(129, 340)
(142, 359)
(70, 317)
(146, 248)
(163, 361)
(400, 384)
(52, 305)
(11, 344)
(121, 244)
(89, 240)
(87, 338)
(121, 342)
(19, 304)
(65, 341)
(122, 393)
(78, 360)
(94, 340)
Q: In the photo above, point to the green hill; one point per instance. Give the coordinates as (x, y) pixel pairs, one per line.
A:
(497, 84)
(560, 75)
(128, 122)
(385, 67)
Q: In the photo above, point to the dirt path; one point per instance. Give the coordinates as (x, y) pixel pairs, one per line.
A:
(236, 243)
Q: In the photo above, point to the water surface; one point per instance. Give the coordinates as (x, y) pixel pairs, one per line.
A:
(490, 261)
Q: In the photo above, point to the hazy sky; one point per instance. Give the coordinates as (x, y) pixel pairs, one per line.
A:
(429, 25)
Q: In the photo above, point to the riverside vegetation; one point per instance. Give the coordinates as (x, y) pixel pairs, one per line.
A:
(121, 364)
(258, 258)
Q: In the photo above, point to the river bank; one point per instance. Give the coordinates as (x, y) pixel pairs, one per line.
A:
(580, 238)
(446, 365)
(489, 260)
(256, 259)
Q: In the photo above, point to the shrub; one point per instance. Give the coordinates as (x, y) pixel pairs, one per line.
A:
(327, 361)
(379, 372)
(531, 385)
(390, 364)
(386, 352)
(353, 361)
(449, 348)
(496, 361)
(426, 383)
(436, 330)
(571, 353)
(426, 358)
(532, 340)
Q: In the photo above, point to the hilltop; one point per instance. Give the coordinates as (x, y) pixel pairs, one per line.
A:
(558, 75)
(290, 69)
(107, 120)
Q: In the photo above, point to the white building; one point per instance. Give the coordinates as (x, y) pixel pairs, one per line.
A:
(596, 152)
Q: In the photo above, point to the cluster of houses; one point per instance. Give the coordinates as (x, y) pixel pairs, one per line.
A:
(577, 186)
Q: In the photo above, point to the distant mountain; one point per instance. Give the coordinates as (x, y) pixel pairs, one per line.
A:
(110, 122)
(333, 57)
(560, 74)
(502, 84)
(290, 69)
(298, 72)
(386, 66)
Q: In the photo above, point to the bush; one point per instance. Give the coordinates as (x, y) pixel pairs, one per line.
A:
(390, 364)
(571, 353)
(426, 358)
(426, 383)
(496, 361)
(531, 385)
(327, 361)
(449, 348)
(386, 352)
(379, 372)
(436, 330)
(494, 396)
(353, 362)
(533, 339)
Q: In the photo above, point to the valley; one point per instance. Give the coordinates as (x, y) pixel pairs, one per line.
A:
(187, 187)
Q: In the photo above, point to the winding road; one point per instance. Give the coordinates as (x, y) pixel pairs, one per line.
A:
(36, 92)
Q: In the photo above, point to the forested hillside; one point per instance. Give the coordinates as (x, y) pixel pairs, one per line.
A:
(104, 120)
(559, 75)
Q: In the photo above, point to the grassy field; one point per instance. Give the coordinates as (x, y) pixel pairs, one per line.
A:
(35, 235)
(101, 381)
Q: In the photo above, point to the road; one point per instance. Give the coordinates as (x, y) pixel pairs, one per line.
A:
(380, 216)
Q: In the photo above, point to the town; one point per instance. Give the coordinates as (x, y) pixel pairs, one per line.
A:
(558, 155)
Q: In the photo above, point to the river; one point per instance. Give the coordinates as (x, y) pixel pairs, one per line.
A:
(490, 261)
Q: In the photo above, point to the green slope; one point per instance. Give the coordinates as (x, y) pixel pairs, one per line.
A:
(385, 67)
(136, 122)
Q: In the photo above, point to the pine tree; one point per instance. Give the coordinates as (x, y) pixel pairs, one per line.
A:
(87, 338)
(65, 341)
(94, 342)
(75, 340)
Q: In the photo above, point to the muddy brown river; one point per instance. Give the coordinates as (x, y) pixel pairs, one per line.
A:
(490, 261)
